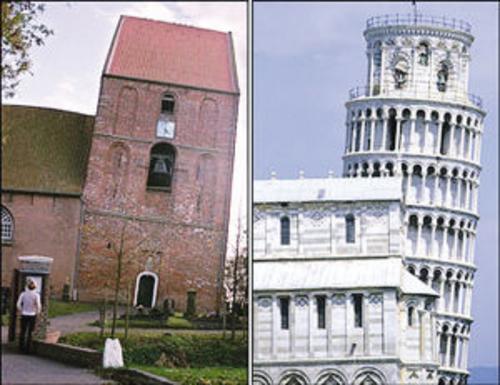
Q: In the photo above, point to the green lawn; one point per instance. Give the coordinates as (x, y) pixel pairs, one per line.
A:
(200, 376)
(174, 322)
(58, 308)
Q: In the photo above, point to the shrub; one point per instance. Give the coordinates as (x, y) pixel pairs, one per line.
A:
(195, 350)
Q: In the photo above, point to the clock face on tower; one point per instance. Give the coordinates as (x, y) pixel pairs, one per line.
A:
(165, 129)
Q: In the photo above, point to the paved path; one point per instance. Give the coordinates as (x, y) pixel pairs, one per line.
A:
(21, 369)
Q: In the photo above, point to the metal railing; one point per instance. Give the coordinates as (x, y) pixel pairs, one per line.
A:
(418, 90)
(418, 19)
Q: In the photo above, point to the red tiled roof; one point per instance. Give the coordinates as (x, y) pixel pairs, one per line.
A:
(172, 53)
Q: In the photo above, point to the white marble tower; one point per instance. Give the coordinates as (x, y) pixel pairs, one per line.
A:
(416, 119)
(367, 279)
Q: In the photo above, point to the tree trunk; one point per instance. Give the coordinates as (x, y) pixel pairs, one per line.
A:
(117, 284)
(127, 312)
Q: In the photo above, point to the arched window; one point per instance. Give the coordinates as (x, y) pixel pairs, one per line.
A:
(7, 226)
(423, 54)
(161, 166)
(350, 229)
(442, 76)
(285, 230)
(411, 314)
(401, 69)
(284, 312)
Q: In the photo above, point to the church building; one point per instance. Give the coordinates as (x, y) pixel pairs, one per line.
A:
(147, 181)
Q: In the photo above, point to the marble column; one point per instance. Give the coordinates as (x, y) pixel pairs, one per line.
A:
(461, 142)
(275, 315)
(448, 347)
(426, 134)
(437, 151)
(442, 299)
(363, 134)
(452, 297)
(384, 134)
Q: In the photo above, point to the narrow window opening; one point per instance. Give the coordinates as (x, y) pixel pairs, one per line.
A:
(285, 231)
(358, 310)
(411, 312)
(284, 310)
(391, 125)
(350, 229)
(321, 301)
(167, 104)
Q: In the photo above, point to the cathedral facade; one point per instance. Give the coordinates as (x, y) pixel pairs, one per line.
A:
(153, 187)
(367, 279)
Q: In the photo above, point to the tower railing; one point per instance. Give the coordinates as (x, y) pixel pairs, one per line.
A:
(418, 90)
(418, 19)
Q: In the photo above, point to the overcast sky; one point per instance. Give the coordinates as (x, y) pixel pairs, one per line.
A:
(68, 67)
(306, 58)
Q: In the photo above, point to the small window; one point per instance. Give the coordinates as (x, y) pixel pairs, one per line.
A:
(284, 310)
(358, 310)
(411, 313)
(442, 77)
(321, 301)
(7, 226)
(161, 166)
(285, 231)
(167, 104)
(423, 54)
(350, 229)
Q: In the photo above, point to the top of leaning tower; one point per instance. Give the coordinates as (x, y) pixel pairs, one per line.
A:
(418, 56)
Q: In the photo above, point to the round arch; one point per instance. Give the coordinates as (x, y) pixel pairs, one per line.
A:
(145, 288)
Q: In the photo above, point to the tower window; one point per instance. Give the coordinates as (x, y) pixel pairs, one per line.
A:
(161, 166)
(7, 226)
(320, 301)
(442, 77)
(401, 73)
(284, 311)
(358, 310)
(285, 230)
(423, 54)
(350, 229)
(167, 104)
(411, 314)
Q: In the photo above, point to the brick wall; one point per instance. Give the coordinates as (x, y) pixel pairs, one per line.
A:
(186, 227)
(76, 356)
(43, 225)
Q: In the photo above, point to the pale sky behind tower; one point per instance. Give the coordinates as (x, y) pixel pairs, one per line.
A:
(306, 58)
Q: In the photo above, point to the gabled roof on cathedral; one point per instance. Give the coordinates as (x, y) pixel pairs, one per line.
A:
(44, 150)
(172, 53)
(327, 189)
(336, 274)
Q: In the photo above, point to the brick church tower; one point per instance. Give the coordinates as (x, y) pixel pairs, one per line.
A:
(158, 185)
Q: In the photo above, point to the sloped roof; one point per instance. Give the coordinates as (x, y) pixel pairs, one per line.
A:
(172, 53)
(413, 285)
(336, 274)
(44, 149)
(327, 189)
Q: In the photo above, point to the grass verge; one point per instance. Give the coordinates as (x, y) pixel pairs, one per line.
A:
(59, 308)
(200, 376)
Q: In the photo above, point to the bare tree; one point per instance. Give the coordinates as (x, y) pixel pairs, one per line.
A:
(126, 245)
(237, 277)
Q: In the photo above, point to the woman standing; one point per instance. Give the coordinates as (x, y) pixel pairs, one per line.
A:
(29, 305)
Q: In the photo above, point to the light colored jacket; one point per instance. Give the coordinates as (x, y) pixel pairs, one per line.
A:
(29, 303)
